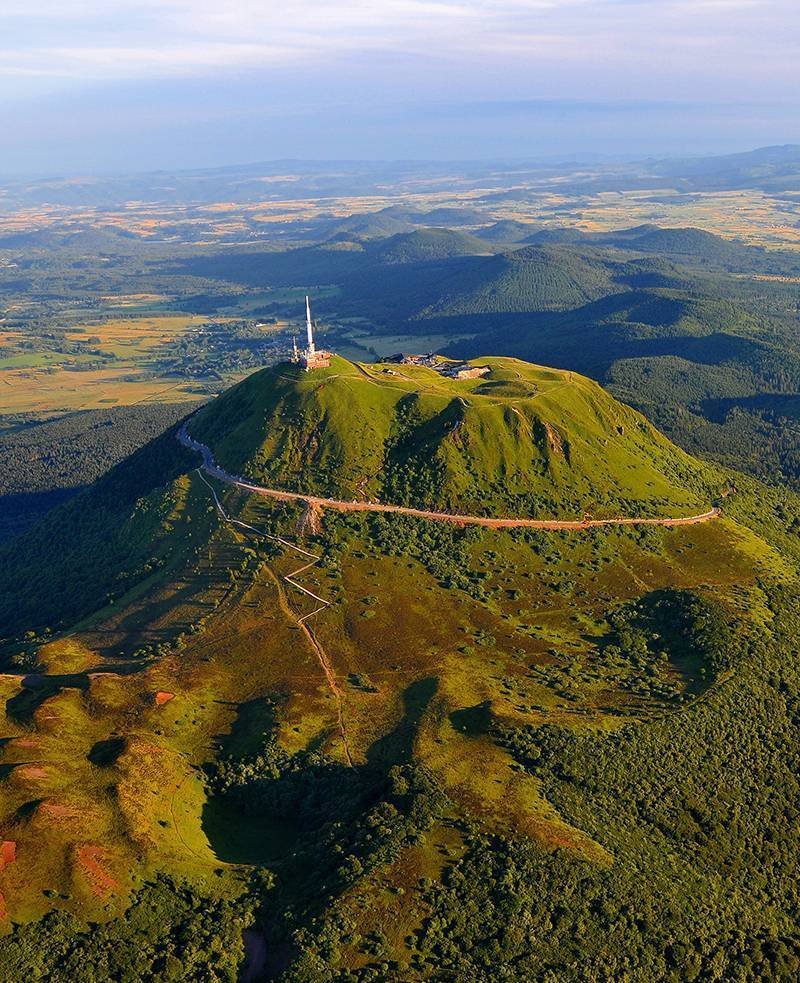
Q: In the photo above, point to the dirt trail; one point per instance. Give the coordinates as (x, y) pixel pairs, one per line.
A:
(333, 685)
(211, 467)
(313, 641)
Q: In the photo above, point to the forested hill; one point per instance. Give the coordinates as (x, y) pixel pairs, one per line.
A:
(692, 246)
(527, 279)
(424, 245)
(43, 464)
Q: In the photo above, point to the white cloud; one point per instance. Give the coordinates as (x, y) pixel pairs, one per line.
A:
(117, 39)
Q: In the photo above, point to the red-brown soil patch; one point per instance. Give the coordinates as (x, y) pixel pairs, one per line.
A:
(32, 771)
(162, 697)
(90, 859)
(148, 749)
(8, 853)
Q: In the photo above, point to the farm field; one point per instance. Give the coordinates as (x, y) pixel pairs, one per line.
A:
(752, 216)
(133, 338)
(120, 369)
(755, 216)
(64, 391)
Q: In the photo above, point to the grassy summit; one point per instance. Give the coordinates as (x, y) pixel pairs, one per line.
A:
(488, 744)
(523, 440)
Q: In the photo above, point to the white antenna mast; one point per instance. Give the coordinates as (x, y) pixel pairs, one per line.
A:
(309, 327)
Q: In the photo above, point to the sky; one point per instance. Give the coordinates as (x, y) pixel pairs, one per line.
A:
(100, 86)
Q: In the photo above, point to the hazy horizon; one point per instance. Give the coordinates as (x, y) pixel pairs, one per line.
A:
(553, 159)
(173, 84)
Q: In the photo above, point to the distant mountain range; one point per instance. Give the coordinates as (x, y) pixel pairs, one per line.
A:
(771, 169)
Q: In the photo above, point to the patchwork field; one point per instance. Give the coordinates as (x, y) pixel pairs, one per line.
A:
(135, 337)
(752, 215)
(117, 368)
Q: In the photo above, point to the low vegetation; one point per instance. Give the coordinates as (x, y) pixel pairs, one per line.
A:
(510, 778)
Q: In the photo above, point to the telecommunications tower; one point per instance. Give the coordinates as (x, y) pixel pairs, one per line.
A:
(311, 357)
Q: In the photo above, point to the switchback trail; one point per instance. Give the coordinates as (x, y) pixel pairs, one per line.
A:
(316, 646)
(211, 467)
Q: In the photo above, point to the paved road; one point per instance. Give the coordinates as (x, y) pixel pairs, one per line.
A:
(211, 467)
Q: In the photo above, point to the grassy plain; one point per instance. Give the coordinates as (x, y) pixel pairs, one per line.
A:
(47, 382)
(753, 216)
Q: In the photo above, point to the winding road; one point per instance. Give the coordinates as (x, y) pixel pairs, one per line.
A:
(211, 467)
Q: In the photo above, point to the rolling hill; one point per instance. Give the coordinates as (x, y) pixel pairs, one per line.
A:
(687, 245)
(245, 735)
(424, 245)
(527, 279)
(521, 440)
(506, 231)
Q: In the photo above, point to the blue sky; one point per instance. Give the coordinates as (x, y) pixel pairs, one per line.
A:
(99, 86)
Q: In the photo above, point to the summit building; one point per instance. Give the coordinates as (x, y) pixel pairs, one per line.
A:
(311, 357)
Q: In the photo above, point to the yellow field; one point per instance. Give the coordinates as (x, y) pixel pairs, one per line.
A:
(52, 387)
(40, 391)
(133, 300)
(133, 337)
(749, 214)
(752, 216)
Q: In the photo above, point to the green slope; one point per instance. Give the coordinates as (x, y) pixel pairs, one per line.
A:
(425, 245)
(99, 544)
(521, 441)
(716, 374)
(506, 230)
